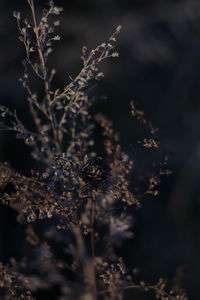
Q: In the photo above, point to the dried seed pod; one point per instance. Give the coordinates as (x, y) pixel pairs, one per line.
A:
(94, 171)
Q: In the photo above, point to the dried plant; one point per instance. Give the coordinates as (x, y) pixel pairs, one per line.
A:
(85, 195)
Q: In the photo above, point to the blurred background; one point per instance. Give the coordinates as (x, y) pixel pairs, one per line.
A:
(158, 68)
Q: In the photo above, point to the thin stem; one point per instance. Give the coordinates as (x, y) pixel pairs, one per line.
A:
(93, 246)
(87, 268)
(45, 74)
(40, 52)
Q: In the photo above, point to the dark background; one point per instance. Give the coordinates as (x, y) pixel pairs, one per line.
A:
(159, 68)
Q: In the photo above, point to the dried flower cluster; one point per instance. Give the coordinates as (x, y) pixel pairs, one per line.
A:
(84, 196)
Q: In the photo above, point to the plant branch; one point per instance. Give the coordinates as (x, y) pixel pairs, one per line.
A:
(45, 75)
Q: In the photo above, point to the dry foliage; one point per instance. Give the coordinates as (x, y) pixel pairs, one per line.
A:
(86, 197)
